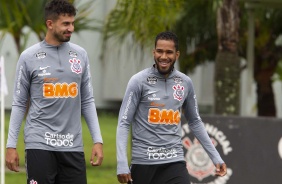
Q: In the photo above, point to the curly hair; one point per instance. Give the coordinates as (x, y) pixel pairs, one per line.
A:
(167, 35)
(55, 8)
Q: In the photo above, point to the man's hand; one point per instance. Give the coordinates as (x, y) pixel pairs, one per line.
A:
(97, 151)
(221, 170)
(12, 159)
(124, 178)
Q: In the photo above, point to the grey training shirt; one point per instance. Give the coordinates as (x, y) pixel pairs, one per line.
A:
(57, 81)
(153, 105)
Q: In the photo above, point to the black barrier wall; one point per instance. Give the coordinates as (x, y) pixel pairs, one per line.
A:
(251, 148)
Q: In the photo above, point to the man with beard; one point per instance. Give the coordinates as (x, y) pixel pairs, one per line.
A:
(53, 78)
(153, 103)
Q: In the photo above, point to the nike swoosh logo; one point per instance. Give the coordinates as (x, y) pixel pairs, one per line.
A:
(150, 92)
(43, 68)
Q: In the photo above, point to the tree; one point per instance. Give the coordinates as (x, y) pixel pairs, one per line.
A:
(195, 23)
(268, 53)
(199, 29)
(16, 15)
(13, 15)
(194, 29)
(142, 18)
(227, 70)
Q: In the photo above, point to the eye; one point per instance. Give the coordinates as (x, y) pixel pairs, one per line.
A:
(159, 51)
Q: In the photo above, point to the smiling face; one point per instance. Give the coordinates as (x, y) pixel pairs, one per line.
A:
(60, 30)
(165, 55)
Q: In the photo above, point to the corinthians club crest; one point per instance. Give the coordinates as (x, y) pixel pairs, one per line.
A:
(178, 92)
(75, 65)
(198, 164)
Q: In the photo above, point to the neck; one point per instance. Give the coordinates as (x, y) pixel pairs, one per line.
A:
(164, 74)
(51, 40)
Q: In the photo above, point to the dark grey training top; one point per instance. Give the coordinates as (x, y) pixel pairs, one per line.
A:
(153, 104)
(58, 82)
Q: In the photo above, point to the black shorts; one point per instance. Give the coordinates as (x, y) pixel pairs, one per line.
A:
(51, 167)
(170, 173)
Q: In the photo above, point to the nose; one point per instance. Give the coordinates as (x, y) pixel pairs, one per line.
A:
(163, 56)
(71, 28)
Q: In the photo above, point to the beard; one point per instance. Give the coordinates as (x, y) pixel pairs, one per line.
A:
(61, 38)
(162, 71)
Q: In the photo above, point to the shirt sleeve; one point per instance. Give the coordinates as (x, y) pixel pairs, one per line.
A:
(196, 125)
(19, 105)
(126, 117)
(88, 108)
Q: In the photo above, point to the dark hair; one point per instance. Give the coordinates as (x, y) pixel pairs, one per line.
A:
(167, 35)
(55, 8)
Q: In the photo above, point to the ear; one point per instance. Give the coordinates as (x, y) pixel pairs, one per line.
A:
(177, 54)
(49, 24)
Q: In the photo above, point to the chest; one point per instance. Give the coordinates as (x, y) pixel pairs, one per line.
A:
(164, 93)
(56, 66)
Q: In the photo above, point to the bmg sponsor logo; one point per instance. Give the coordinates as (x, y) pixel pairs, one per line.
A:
(164, 116)
(161, 153)
(59, 140)
(60, 90)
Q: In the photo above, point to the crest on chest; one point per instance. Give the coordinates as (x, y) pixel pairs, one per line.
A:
(178, 93)
(75, 65)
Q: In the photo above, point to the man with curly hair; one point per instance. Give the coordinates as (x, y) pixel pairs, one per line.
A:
(153, 103)
(53, 78)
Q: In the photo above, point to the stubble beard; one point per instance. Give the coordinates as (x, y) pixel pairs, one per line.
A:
(164, 72)
(61, 38)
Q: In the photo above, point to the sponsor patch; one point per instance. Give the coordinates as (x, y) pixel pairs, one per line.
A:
(155, 104)
(43, 71)
(177, 80)
(41, 55)
(43, 68)
(72, 54)
(60, 90)
(161, 153)
(127, 105)
(50, 80)
(153, 97)
(75, 65)
(152, 80)
(19, 80)
(164, 116)
(59, 140)
(178, 93)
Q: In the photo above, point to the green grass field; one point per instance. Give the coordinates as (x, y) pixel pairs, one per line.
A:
(105, 174)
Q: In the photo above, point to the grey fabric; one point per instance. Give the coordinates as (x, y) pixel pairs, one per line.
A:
(57, 81)
(152, 105)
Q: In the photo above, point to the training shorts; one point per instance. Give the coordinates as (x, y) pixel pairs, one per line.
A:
(51, 167)
(169, 173)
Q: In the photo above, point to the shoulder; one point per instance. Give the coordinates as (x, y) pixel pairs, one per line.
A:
(141, 76)
(77, 48)
(31, 51)
(181, 76)
(138, 79)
